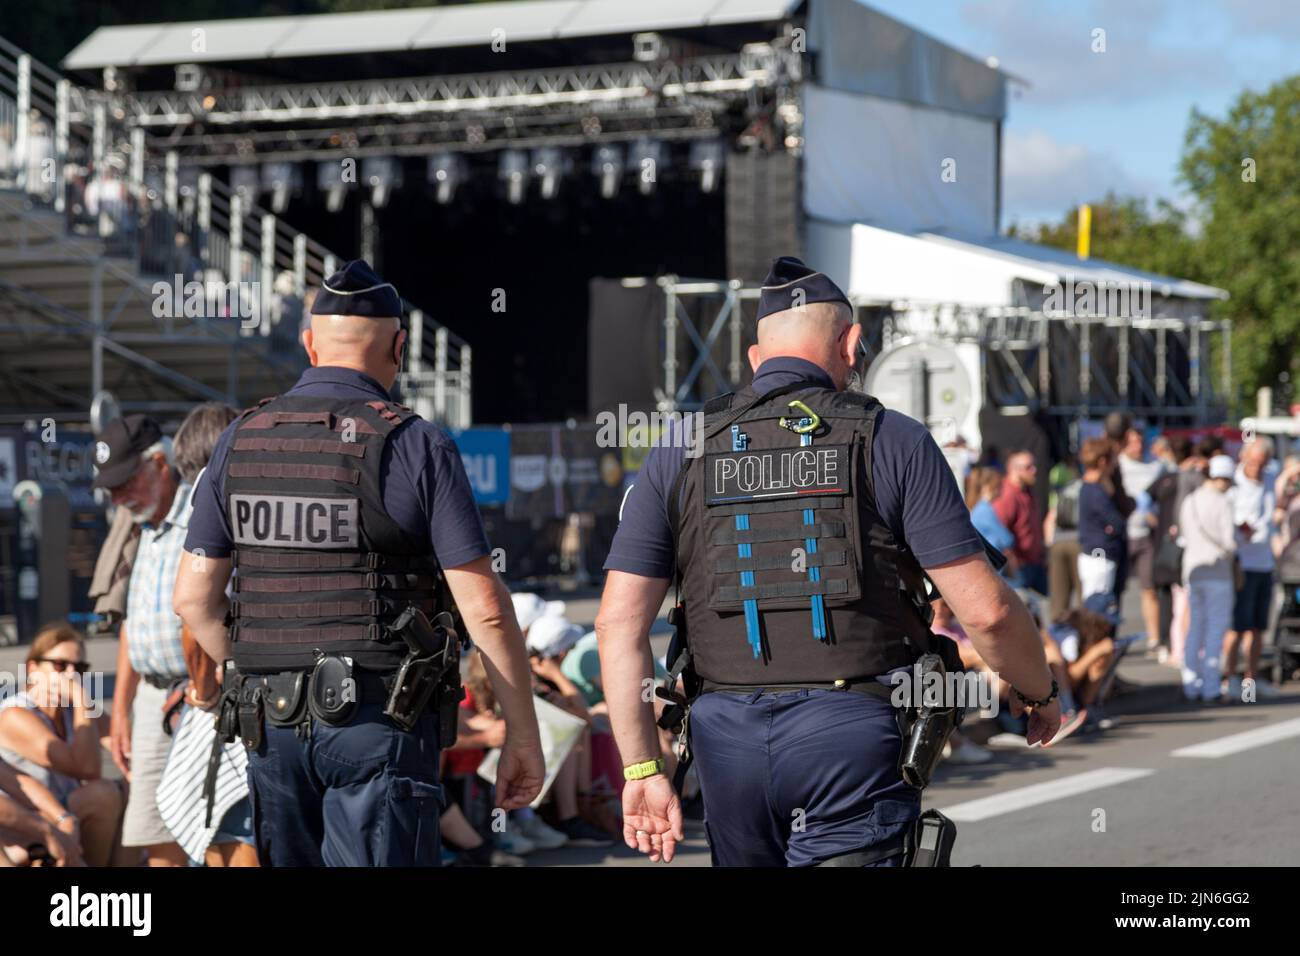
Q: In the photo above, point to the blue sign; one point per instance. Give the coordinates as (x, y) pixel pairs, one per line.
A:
(486, 455)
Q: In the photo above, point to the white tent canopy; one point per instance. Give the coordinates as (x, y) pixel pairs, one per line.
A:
(880, 265)
(393, 30)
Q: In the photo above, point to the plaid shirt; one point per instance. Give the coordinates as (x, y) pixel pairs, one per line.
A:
(153, 631)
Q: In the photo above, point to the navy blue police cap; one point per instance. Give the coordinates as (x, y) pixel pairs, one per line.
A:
(790, 284)
(356, 289)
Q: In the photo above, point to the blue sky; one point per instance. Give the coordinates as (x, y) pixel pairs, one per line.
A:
(1089, 122)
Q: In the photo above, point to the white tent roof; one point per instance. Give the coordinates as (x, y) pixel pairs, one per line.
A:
(877, 264)
(392, 30)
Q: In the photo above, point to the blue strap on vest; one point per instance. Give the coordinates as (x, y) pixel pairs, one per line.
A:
(739, 441)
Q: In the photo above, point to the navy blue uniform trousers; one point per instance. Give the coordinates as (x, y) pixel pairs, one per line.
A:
(793, 778)
(362, 794)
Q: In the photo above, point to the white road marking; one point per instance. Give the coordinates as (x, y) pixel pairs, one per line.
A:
(1246, 740)
(1032, 796)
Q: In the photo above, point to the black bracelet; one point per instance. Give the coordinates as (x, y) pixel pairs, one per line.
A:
(1030, 702)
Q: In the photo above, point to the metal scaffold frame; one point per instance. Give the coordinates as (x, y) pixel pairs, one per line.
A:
(678, 99)
(233, 240)
(1164, 365)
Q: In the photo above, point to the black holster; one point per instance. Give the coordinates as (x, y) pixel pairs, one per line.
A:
(430, 672)
(928, 843)
(926, 727)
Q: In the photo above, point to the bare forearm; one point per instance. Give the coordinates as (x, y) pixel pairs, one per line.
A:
(489, 617)
(43, 802)
(627, 610)
(17, 821)
(126, 678)
(199, 600)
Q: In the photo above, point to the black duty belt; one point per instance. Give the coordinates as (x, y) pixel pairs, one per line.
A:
(868, 686)
(308, 635)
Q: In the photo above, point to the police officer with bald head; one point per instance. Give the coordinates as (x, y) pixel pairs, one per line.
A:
(800, 530)
(352, 533)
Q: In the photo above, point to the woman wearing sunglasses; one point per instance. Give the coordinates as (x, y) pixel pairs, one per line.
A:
(50, 733)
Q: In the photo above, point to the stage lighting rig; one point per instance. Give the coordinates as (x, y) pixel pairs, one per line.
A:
(281, 180)
(446, 171)
(512, 168)
(382, 174)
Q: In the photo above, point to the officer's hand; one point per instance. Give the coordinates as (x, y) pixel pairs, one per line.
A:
(520, 773)
(652, 817)
(119, 739)
(1044, 722)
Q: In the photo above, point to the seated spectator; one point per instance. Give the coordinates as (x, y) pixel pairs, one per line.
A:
(466, 826)
(1086, 640)
(581, 665)
(585, 817)
(34, 825)
(48, 733)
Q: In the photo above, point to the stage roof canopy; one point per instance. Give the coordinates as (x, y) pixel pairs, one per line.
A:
(393, 30)
(876, 264)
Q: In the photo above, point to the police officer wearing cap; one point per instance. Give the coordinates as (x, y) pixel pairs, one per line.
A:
(352, 532)
(800, 524)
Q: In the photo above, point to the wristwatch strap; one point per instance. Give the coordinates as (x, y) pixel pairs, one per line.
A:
(648, 768)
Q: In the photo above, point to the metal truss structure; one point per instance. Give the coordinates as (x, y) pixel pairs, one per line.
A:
(66, 277)
(667, 99)
(1160, 367)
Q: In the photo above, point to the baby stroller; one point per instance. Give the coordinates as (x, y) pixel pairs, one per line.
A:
(1286, 642)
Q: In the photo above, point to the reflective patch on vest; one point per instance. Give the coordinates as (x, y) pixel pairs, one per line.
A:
(283, 521)
(777, 473)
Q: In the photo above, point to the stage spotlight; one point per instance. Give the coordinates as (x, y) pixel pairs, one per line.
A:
(329, 180)
(382, 174)
(187, 180)
(647, 158)
(549, 164)
(281, 180)
(446, 170)
(513, 170)
(245, 181)
(706, 159)
(607, 164)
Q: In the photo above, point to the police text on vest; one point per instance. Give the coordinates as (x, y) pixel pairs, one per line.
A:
(284, 521)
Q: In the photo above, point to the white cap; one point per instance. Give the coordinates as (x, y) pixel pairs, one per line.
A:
(553, 634)
(529, 607)
(1221, 466)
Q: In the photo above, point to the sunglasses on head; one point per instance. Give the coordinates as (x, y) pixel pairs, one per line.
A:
(59, 665)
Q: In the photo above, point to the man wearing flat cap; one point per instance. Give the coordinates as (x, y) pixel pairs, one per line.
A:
(800, 538)
(134, 462)
(353, 533)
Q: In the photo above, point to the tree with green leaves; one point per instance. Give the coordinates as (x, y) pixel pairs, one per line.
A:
(1244, 171)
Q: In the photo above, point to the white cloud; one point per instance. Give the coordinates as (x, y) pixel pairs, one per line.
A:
(1042, 177)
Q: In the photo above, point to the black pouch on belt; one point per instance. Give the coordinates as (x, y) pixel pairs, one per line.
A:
(250, 714)
(286, 698)
(332, 693)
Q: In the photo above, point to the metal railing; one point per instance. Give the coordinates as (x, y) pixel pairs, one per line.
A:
(69, 149)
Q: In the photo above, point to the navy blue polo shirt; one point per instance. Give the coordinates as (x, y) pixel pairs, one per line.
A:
(421, 478)
(916, 492)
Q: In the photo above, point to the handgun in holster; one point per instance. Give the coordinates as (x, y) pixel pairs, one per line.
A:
(928, 728)
(431, 666)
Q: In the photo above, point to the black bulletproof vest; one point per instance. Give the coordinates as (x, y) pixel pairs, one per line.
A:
(320, 567)
(768, 518)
